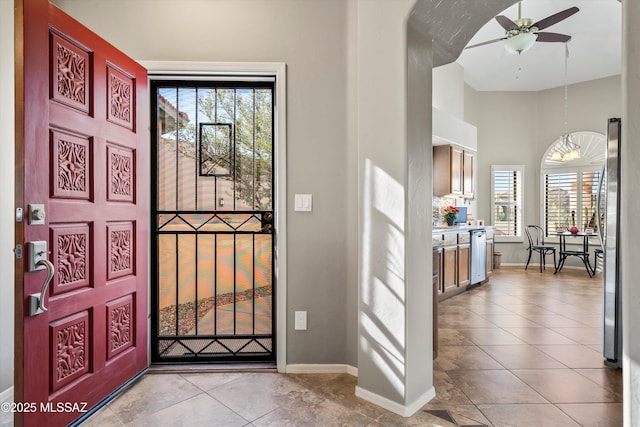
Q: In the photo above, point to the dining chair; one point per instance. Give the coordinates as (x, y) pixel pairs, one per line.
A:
(598, 253)
(535, 234)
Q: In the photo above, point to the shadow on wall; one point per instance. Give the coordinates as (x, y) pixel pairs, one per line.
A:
(382, 322)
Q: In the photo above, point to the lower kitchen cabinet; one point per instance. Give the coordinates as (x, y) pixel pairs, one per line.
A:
(464, 272)
(449, 267)
(489, 258)
(453, 259)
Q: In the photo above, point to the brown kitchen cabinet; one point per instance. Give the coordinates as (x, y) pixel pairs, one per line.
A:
(489, 254)
(449, 268)
(452, 171)
(490, 247)
(464, 272)
(467, 174)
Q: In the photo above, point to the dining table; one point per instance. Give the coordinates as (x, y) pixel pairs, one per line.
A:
(582, 254)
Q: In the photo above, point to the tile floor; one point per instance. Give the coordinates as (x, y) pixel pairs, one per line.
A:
(522, 350)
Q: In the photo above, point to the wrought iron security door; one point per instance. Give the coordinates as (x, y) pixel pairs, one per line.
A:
(213, 216)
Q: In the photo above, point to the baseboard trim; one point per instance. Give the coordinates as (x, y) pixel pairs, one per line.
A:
(395, 407)
(7, 395)
(309, 368)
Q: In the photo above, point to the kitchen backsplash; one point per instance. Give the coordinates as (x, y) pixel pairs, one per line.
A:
(438, 204)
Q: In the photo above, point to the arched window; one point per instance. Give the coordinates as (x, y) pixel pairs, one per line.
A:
(569, 189)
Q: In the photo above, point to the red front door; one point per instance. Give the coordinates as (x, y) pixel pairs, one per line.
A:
(82, 154)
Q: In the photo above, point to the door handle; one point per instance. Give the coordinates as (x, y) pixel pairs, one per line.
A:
(36, 301)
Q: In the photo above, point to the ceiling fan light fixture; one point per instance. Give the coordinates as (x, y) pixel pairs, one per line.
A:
(520, 42)
(556, 156)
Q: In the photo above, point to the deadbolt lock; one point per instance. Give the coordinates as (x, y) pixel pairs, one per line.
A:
(37, 214)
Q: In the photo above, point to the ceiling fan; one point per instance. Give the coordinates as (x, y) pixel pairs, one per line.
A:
(522, 33)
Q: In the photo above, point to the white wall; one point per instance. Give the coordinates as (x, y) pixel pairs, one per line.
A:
(449, 97)
(518, 127)
(311, 38)
(448, 89)
(7, 135)
(630, 206)
(394, 351)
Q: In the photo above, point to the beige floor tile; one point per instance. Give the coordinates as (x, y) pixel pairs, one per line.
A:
(522, 356)
(464, 415)
(523, 323)
(206, 381)
(596, 347)
(490, 336)
(527, 416)
(589, 320)
(488, 308)
(269, 391)
(582, 335)
(510, 320)
(444, 308)
(465, 357)
(448, 336)
(565, 386)
(105, 417)
(313, 412)
(488, 386)
(574, 356)
(553, 321)
(338, 388)
(594, 414)
(447, 392)
(468, 415)
(467, 320)
(151, 394)
(609, 378)
(539, 335)
(529, 310)
(419, 419)
(201, 409)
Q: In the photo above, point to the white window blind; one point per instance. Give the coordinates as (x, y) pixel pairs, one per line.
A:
(570, 199)
(506, 201)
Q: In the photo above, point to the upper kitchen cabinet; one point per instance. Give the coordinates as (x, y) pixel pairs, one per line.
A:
(452, 171)
(467, 174)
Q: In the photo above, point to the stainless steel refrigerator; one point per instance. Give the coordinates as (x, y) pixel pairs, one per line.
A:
(610, 238)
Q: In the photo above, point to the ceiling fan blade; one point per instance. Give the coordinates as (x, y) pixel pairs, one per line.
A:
(506, 23)
(484, 43)
(555, 18)
(553, 37)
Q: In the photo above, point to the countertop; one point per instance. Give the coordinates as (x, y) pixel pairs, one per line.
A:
(456, 228)
(442, 235)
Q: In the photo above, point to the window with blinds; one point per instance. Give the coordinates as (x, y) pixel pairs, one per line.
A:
(506, 201)
(570, 199)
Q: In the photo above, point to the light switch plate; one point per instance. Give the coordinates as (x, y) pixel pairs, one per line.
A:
(301, 321)
(303, 203)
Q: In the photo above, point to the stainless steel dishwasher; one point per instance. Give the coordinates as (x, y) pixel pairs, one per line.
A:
(478, 255)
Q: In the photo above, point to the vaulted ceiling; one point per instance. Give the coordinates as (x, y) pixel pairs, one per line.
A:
(594, 50)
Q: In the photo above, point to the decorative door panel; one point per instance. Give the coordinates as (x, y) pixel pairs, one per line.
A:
(86, 164)
(71, 255)
(213, 244)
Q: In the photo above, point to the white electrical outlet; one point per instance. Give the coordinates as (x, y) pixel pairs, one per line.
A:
(301, 321)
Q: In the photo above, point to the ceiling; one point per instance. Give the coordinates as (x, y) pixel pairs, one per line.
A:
(594, 50)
